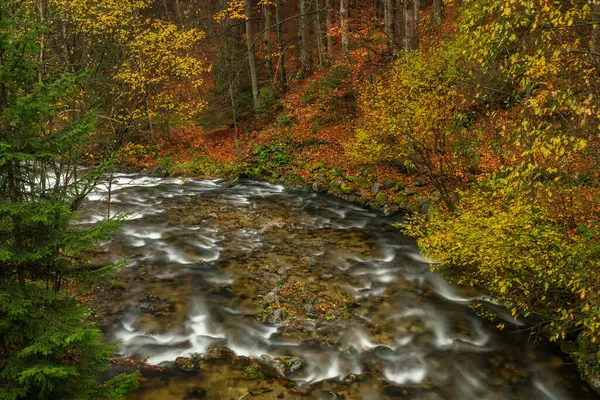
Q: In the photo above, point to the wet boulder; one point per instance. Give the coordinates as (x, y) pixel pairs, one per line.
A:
(187, 364)
(271, 298)
(375, 188)
(292, 364)
(146, 307)
(271, 368)
(159, 172)
(317, 343)
(218, 352)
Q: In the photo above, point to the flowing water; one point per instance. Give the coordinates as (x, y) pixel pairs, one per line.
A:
(265, 269)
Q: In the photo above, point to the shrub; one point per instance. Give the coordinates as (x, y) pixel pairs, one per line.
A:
(517, 252)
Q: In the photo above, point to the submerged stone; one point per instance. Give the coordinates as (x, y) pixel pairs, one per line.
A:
(196, 393)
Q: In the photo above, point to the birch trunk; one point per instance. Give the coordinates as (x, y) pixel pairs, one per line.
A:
(251, 52)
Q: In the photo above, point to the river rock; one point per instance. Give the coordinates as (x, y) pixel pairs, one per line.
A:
(309, 309)
(594, 380)
(272, 225)
(424, 205)
(158, 172)
(271, 368)
(271, 298)
(419, 183)
(381, 199)
(146, 307)
(310, 261)
(187, 364)
(218, 352)
(375, 188)
(371, 358)
(292, 364)
(389, 183)
(282, 271)
(276, 316)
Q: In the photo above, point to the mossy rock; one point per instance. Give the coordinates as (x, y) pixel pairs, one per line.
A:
(400, 200)
(117, 285)
(390, 183)
(392, 209)
(187, 364)
(361, 183)
(381, 199)
(347, 189)
(400, 186)
(252, 372)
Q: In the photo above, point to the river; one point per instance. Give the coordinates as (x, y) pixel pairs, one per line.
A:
(268, 270)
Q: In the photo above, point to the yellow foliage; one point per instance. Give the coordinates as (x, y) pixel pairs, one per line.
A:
(515, 250)
(157, 63)
(234, 10)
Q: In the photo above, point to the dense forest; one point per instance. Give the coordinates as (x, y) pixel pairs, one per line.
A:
(479, 121)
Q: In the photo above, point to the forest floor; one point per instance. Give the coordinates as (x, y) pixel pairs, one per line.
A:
(303, 143)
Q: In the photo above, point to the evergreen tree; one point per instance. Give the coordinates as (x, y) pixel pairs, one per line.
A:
(48, 349)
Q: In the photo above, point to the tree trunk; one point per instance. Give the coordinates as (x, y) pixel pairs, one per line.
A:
(344, 25)
(251, 52)
(595, 35)
(234, 117)
(280, 49)
(411, 39)
(328, 24)
(399, 24)
(41, 11)
(319, 32)
(388, 18)
(10, 172)
(304, 37)
(266, 7)
(437, 12)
